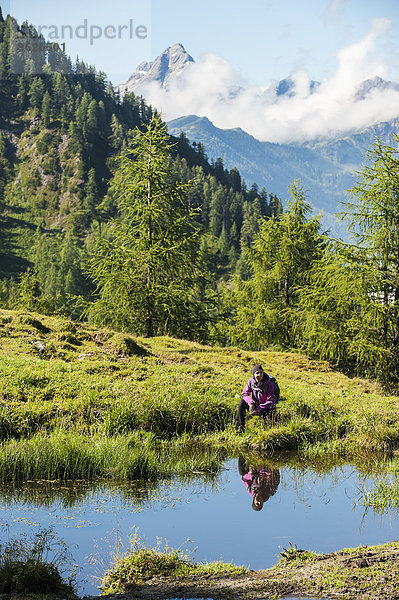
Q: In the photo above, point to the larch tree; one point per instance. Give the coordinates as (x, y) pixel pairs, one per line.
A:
(283, 252)
(350, 311)
(147, 264)
(373, 216)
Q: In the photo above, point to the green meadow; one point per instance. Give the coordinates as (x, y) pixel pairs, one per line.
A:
(82, 402)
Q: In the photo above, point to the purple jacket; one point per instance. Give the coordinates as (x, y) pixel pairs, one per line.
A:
(262, 393)
(257, 480)
(264, 481)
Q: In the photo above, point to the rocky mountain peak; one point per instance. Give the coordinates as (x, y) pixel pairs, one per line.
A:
(286, 87)
(167, 65)
(376, 83)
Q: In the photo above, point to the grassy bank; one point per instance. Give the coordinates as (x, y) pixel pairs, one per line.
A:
(69, 456)
(104, 389)
(361, 573)
(141, 565)
(35, 568)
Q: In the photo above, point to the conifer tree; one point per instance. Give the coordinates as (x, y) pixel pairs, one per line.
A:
(23, 87)
(147, 271)
(116, 137)
(282, 254)
(351, 308)
(46, 109)
(36, 93)
(91, 197)
(250, 223)
(61, 90)
(235, 179)
(92, 117)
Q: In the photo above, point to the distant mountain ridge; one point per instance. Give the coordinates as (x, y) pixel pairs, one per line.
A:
(175, 59)
(325, 167)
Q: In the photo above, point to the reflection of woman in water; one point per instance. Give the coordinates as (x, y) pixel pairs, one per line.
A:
(261, 482)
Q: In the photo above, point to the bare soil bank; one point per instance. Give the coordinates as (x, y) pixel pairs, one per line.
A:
(364, 573)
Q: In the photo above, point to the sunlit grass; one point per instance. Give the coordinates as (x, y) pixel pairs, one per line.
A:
(72, 456)
(141, 564)
(97, 383)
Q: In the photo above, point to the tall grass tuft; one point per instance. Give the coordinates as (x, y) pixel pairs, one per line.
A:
(32, 566)
(66, 456)
(141, 564)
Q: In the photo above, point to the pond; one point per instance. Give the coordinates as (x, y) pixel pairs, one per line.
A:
(247, 514)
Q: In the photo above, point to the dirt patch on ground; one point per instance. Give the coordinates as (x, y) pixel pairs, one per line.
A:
(364, 573)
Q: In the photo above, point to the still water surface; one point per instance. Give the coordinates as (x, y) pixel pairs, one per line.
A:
(245, 515)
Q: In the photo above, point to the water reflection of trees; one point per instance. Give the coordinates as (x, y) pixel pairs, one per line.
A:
(44, 494)
(304, 475)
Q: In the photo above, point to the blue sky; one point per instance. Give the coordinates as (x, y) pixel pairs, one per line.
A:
(262, 39)
(267, 40)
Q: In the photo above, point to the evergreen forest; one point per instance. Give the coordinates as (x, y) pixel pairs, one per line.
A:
(106, 217)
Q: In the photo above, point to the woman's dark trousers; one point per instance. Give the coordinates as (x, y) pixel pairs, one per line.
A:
(241, 415)
(242, 408)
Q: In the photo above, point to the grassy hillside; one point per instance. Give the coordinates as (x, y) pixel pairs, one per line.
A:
(76, 401)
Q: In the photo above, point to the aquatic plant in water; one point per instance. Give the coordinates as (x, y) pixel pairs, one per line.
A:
(35, 565)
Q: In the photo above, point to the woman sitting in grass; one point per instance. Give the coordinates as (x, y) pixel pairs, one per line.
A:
(259, 396)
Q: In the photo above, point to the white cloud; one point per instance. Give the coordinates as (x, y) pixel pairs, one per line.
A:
(212, 88)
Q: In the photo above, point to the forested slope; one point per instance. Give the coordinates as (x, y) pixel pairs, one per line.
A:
(60, 131)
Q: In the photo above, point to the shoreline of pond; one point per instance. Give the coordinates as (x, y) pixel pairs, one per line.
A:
(364, 572)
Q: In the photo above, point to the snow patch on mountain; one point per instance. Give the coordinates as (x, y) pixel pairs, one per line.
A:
(354, 96)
